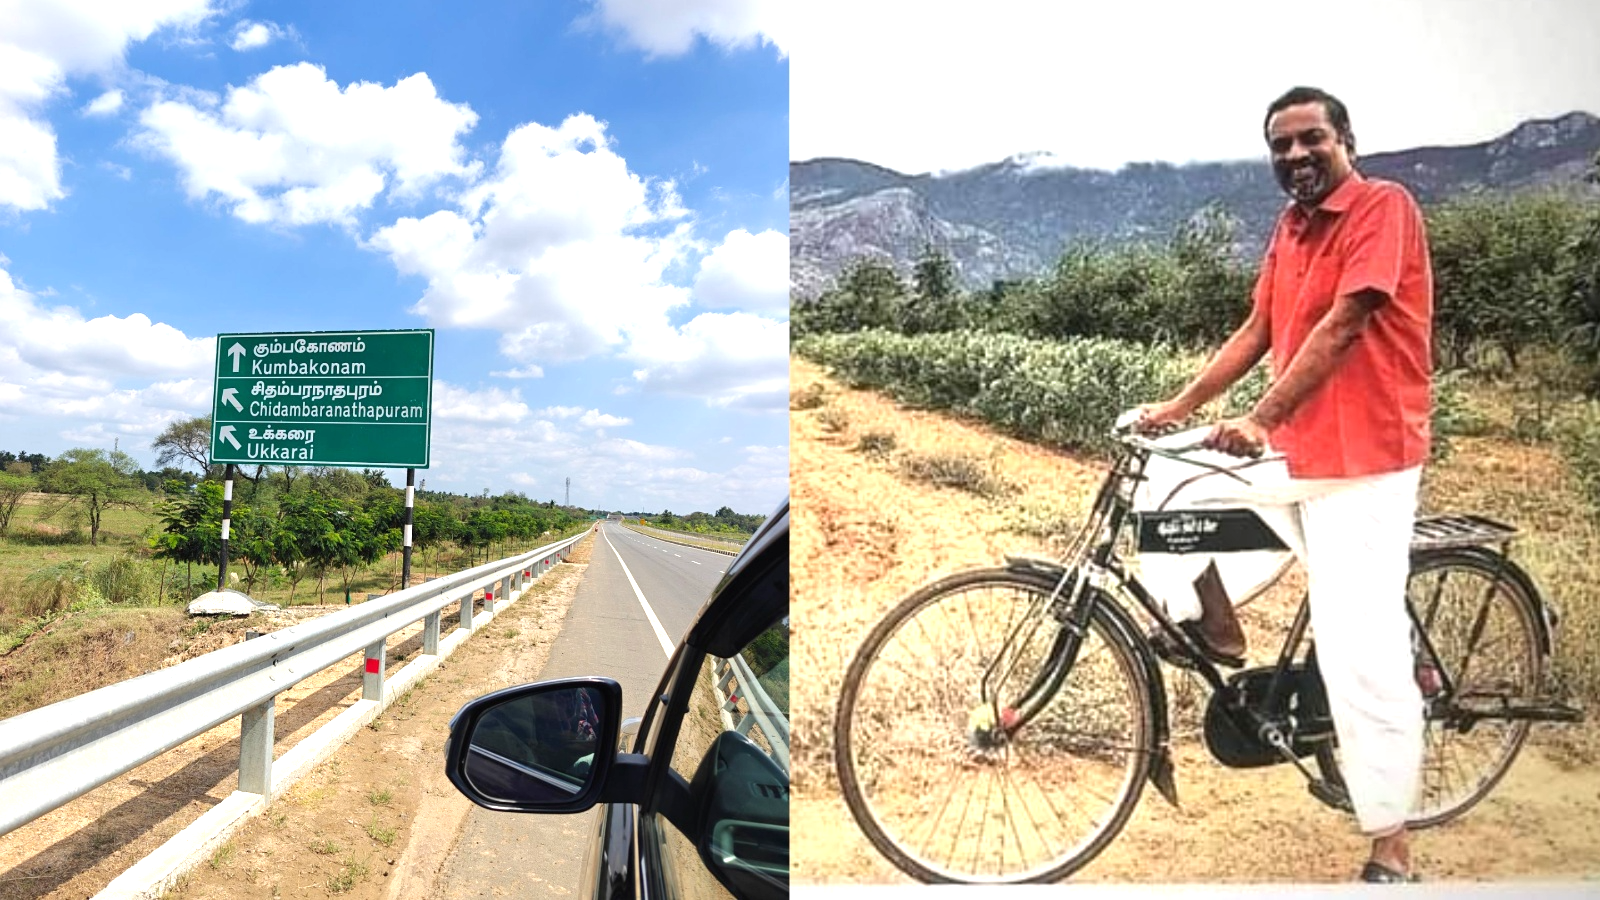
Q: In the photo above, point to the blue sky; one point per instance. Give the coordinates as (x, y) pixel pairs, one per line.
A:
(587, 200)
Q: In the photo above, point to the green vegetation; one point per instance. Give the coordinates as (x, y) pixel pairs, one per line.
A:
(84, 533)
(723, 523)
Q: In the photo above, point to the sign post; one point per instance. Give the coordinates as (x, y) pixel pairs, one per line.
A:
(322, 398)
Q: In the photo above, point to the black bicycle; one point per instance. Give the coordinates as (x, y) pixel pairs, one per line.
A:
(999, 725)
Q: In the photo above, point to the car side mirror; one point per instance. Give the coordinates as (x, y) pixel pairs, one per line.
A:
(547, 747)
(743, 800)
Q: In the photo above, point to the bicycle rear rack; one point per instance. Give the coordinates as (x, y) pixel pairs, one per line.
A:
(1464, 530)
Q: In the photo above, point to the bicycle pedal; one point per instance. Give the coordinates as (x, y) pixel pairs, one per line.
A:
(1330, 794)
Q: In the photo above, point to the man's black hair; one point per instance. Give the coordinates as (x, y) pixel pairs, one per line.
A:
(1338, 115)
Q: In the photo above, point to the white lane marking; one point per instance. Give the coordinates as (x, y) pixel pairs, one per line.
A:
(661, 633)
(678, 555)
(695, 561)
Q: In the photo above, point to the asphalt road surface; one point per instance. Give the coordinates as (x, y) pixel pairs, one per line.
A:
(608, 631)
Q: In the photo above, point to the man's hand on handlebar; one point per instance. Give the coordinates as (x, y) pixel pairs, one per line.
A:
(1157, 416)
(1243, 436)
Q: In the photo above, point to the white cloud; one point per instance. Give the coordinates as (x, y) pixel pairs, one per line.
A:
(293, 148)
(59, 342)
(562, 250)
(559, 412)
(121, 171)
(524, 372)
(103, 376)
(104, 105)
(451, 403)
(734, 360)
(748, 272)
(594, 418)
(41, 45)
(670, 27)
(248, 35)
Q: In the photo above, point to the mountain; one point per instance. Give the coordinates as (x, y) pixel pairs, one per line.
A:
(1012, 218)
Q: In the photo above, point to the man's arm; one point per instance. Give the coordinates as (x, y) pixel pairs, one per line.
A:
(1321, 353)
(1243, 349)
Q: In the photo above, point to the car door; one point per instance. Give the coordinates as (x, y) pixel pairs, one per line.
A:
(724, 745)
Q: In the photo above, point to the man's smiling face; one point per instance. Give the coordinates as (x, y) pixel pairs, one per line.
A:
(1309, 157)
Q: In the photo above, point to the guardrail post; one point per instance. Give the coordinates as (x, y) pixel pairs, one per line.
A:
(466, 612)
(489, 594)
(430, 634)
(255, 748)
(372, 679)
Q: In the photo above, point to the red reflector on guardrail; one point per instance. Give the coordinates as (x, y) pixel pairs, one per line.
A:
(488, 596)
(372, 667)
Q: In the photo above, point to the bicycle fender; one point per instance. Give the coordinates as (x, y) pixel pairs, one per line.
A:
(1048, 573)
(1549, 615)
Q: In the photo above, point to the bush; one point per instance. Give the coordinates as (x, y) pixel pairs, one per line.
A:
(953, 470)
(49, 590)
(1066, 393)
(47, 536)
(123, 579)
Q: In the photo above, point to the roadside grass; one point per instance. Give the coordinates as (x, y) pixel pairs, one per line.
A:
(91, 616)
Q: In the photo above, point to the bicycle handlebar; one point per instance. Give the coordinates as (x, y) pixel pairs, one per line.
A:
(1123, 433)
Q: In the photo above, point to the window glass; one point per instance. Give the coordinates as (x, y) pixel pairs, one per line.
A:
(735, 737)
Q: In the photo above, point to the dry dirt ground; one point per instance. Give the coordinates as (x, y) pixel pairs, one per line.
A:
(373, 821)
(866, 536)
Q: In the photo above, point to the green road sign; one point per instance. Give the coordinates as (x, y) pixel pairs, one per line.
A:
(323, 398)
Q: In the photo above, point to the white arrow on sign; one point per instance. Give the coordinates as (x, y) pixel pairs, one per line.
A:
(236, 351)
(227, 434)
(231, 395)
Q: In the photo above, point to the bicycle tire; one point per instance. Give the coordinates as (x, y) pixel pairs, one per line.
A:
(1512, 616)
(904, 732)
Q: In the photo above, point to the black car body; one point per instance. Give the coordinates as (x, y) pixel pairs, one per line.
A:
(693, 807)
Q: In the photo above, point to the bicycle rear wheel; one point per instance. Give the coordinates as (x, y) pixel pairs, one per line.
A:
(1482, 628)
(944, 781)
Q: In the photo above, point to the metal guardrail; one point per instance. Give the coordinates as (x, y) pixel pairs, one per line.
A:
(55, 754)
(774, 723)
(687, 539)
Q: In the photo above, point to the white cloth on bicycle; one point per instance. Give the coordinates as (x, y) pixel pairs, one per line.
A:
(1354, 536)
(1263, 486)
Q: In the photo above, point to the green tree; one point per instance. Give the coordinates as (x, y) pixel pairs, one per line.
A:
(250, 542)
(934, 303)
(867, 295)
(432, 526)
(305, 539)
(185, 441)
(15, 483)
(191, 528)
(362, 542)
(1580, 286)
(1498, 267)
(94, 481)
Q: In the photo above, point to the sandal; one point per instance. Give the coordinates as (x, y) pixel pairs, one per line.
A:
(1375, 872)
(1165, 648)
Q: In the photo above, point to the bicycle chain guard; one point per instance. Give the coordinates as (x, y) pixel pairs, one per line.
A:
(1231, 734)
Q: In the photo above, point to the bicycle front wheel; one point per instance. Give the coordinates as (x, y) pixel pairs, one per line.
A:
(941, 770)
(1477, 647)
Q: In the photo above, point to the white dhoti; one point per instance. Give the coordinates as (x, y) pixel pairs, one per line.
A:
(1354, 537)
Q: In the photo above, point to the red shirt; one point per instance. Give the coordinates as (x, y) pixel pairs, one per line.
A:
(1371, 415)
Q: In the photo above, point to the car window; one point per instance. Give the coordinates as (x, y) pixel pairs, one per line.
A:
(745, 698)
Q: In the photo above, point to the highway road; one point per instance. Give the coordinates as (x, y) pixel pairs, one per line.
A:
(636, 601)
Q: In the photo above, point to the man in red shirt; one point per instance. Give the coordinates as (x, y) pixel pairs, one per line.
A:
(1344, 304)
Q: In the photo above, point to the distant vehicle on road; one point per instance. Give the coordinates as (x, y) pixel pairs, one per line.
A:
(699, 805)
